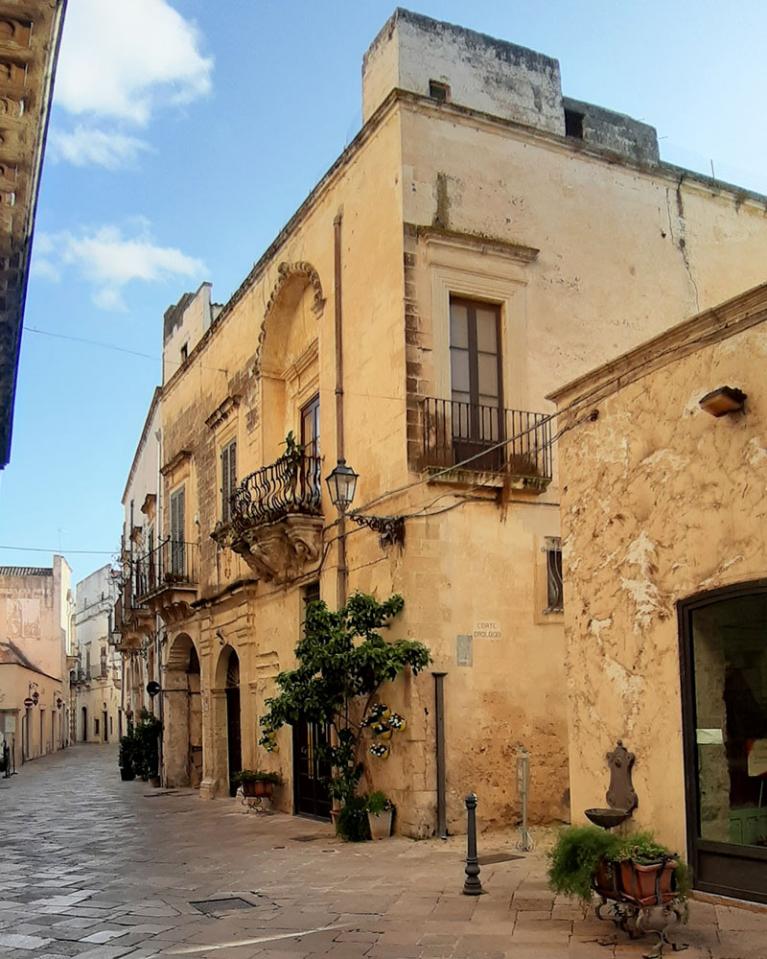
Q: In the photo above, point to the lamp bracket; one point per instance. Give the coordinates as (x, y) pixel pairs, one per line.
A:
(391, 529)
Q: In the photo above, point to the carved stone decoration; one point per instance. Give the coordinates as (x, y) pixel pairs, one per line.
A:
(621, 794)
(279, 552)
(172, 603)
(285, 273)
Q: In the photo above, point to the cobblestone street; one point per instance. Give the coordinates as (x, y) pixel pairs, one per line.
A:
(100, 869)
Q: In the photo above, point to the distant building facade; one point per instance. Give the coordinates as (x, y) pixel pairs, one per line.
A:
(136, 629)
(663, 466)
(97, 678)
(481, 240)
(36, 649)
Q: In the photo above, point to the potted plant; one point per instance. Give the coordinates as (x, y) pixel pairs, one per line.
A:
(633, 868)
(352, 820)
(256, 782)
(380, 815)
(147, 733)
(127, 753)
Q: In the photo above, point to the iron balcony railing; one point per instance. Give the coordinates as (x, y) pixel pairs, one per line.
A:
(487, 439)
(292, 484)
(172, 563)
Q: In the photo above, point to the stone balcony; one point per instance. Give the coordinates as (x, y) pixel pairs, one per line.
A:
(166, 580)
(276, 518)
(132, 623)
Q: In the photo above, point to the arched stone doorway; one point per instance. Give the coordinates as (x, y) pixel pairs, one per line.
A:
(182, 727)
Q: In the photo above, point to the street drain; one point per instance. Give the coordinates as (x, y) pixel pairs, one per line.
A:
(165, 792)
(305, 838)
(212, 907)
(497, 857)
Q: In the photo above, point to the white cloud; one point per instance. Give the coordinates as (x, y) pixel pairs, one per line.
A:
(124, 59)
(86, 146)
(109, 260)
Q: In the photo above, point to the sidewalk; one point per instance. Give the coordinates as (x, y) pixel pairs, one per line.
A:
(99, 869)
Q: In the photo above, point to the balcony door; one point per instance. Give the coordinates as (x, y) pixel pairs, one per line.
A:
(724, 685)
(476, 383)
(177, 531)
(310, 441)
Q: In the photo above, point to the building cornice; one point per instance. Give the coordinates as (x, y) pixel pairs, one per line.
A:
(705, 329)
(183, 456)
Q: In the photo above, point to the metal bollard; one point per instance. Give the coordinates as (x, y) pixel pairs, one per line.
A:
(472, 885)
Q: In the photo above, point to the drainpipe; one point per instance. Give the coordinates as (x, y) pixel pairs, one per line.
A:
(439, 710)
(343, 572)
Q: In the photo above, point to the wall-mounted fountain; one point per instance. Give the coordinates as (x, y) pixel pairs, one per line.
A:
(621, 797)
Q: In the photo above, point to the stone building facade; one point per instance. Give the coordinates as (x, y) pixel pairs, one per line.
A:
(135, 628)
(36, 652)
(30, 33)
(481, 240)
(98, 673)
(665, 562)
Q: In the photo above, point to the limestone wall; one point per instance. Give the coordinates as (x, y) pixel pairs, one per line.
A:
(660, 501)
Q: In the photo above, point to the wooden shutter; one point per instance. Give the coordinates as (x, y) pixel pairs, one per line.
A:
(228, 478)
(177, 516)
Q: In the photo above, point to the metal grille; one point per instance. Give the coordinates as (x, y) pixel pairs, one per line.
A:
(491, 439)
(554, 586)
(292, 484)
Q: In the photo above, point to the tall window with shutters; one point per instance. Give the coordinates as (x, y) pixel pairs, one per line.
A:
(177, 531)
(476, 381)
(228, 478)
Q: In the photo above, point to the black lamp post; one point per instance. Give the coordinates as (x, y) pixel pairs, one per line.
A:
(342, 484)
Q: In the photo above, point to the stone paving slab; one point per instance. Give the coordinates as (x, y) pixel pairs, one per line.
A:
(94, 868)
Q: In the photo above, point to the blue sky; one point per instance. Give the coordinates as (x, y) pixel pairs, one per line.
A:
(186, 132)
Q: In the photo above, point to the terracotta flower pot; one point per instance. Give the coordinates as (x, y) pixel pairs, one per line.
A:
(606, 878)
(257, 788)
(648, 885)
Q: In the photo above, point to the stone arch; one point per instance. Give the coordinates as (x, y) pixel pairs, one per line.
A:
(292, 280)
(287, 353)
(182, 729)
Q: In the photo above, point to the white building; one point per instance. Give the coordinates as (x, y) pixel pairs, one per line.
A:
(98, 674)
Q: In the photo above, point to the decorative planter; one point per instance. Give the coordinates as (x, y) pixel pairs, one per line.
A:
(606, 879)
(127, 773)
(648, 885)
(380, 824)
(258, 788)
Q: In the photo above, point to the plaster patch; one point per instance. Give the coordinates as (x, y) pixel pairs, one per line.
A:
(596, 626)
(756, 454)
(643, 591)
(665, 457)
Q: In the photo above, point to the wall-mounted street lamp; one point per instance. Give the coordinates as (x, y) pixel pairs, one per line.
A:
(342, 485)
(724, 400)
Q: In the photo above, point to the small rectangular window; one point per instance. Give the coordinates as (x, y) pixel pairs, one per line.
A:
(228, 479)
(554, 590)
(439, 91)
(574, 124)
(184, 352)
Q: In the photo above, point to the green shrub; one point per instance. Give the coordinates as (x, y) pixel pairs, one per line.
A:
(352, 823)
(574, 859)
(378, 802)
(256, 776)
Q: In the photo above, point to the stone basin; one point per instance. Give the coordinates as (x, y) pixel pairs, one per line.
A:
(607, 818)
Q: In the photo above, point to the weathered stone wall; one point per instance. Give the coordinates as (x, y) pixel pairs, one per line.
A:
(483, 73)
(660, 501)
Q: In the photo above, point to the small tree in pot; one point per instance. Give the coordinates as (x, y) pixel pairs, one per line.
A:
(342, 662)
